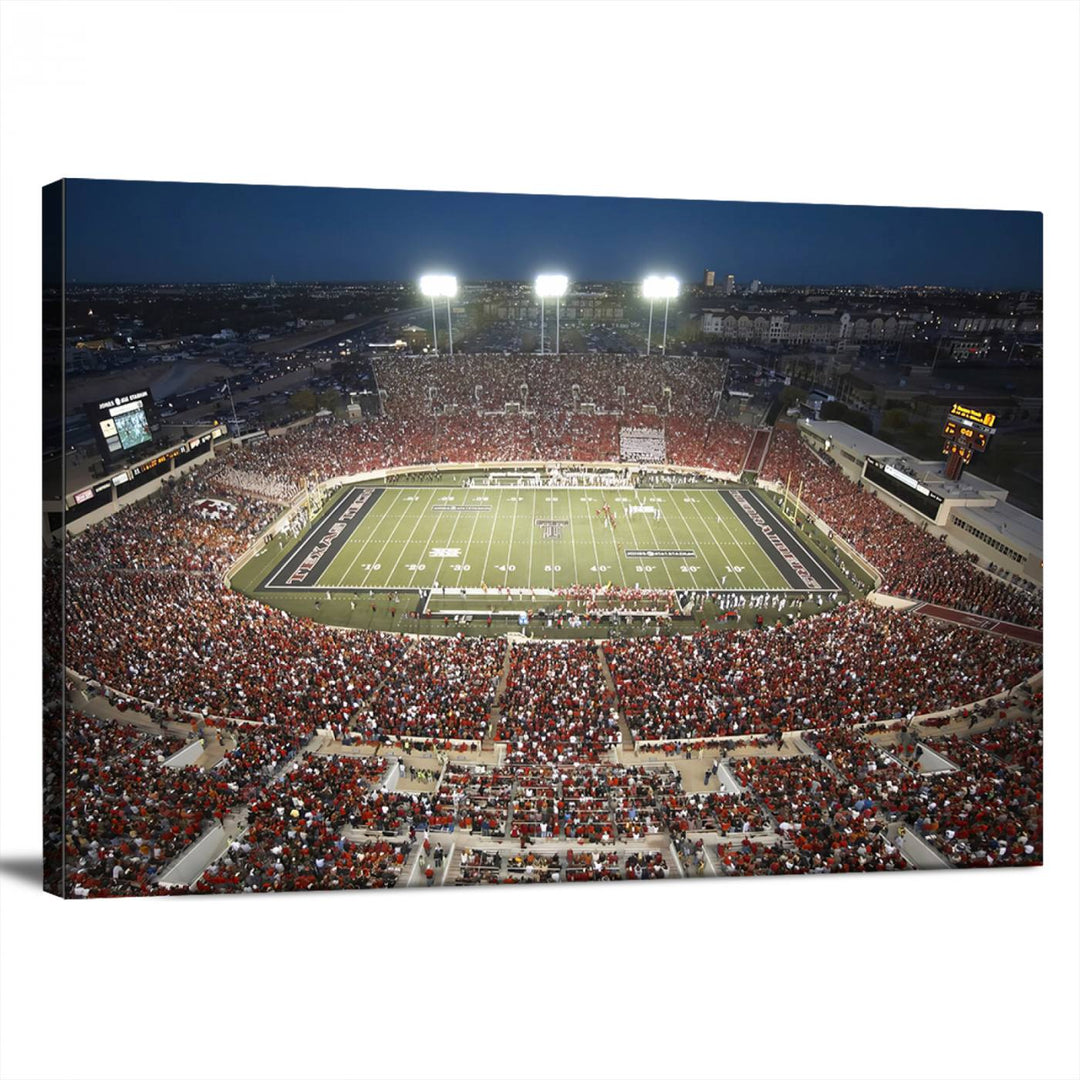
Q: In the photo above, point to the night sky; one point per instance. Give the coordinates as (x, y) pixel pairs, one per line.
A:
(126, 231)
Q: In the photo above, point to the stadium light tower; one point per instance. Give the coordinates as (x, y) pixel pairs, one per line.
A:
(438, 286)
(655, 287)
(550, 285)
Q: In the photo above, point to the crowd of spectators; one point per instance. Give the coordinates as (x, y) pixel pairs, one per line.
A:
(851, 665)
(986, 812)
(913, 562)
(190, 643)
(166, 533)
(127, 814)
(294, 835)
(557, 707)
(148, 616)
(549, 384)
(707, 444)
(267, 486)
(816, 814)
(443, 687)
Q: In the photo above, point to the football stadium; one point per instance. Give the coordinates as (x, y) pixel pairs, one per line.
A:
(542, 619)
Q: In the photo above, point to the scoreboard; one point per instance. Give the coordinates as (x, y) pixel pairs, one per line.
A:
(972, 437)
(122, 423)
(968, 416)
(966, 432)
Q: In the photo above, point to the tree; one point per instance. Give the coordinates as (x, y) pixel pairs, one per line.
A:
(895, 419)
(792, 395)
(834, 410)
(303, 401)
(859, 420)
(330, 399)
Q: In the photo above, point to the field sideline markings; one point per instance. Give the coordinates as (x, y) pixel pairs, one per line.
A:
(656, 546)
(758, 545)
(406, 545)
(708, 528)
(363, 546)
(573, 546)
(690, 530)
(449, 541)
(332, 506)
(491, 536)
(472, 532)
(807, 557)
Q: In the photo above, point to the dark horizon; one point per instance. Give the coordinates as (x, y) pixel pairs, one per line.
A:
(158, 233)
(573, 281)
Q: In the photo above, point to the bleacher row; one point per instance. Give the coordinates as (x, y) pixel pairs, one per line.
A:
(326, 821)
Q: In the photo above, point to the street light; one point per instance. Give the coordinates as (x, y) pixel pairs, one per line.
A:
(548, 285)
(655, 287)
(440, 285)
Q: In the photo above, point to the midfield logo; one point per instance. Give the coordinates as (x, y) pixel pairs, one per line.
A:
(444, 553)
(551, 528)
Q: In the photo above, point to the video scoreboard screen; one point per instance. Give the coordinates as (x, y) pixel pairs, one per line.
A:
(903, 486)
(122, 423)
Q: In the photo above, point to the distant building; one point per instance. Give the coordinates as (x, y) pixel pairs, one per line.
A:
(755, 286)
(729, 285)
(824, 327)
(710, 279)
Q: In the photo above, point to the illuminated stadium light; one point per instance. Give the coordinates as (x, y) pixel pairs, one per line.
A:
(547, 286)
(659, 287)
(440, 286)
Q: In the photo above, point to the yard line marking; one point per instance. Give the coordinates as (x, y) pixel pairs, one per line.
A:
(596, 551)
(573, 546)
(708, 527)
(693, 537)
(497, 517)
(510, 546)
(364, 544)
(449, 539)
(607, 536)
(532, 517)
(408, 543)
(655, 544)
(465, 560)
(766, 561)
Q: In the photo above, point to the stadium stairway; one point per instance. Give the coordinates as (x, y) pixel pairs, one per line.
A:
(488, 742)
(627, 739)
(759, 448)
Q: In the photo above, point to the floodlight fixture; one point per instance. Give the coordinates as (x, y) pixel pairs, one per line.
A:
(440, 285)
(551, 285)
(659, 287)
(547, 286)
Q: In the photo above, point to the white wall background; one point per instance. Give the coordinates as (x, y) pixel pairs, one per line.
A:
(970, 974)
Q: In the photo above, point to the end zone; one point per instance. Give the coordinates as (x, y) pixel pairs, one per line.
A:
(304, 565)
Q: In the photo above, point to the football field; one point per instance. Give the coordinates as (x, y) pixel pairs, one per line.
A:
(437, 538)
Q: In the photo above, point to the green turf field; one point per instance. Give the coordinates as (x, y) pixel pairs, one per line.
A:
(488, 539)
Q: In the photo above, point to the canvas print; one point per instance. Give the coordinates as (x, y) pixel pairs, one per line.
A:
(430, 539)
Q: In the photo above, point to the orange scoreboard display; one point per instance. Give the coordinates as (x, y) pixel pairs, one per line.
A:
(966, 431)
